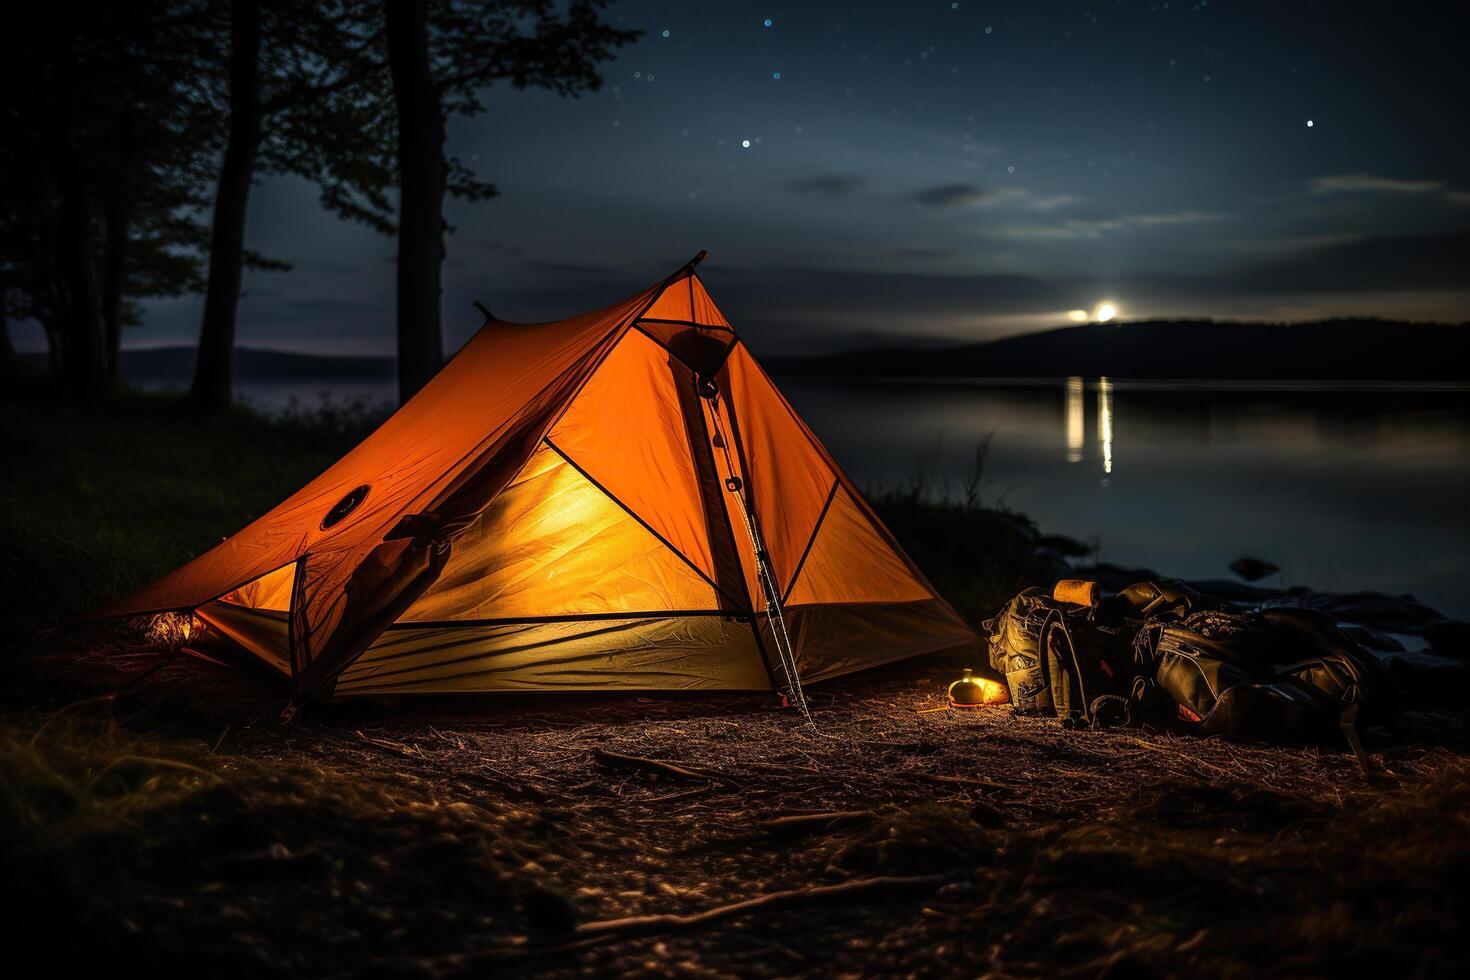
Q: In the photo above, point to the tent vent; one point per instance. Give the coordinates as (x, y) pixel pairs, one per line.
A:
(345, 506)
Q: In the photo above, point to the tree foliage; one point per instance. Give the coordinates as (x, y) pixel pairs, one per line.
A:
(116, 158)
(442, 56)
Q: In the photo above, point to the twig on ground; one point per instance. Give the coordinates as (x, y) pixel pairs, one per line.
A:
(806, 823)
(619, 760)
(613, 930)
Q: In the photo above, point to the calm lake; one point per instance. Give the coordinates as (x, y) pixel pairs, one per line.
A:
(1365, 488)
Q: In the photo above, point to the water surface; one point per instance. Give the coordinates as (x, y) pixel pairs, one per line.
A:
(1345, 488)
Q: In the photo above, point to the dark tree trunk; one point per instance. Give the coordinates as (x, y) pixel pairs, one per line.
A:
(85, 360)
(227, 237)
(51, 322)
(7, 349)
(55, 350)
(421, 179)
(116, 221)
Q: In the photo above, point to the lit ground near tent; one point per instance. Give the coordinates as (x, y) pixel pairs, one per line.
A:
(456, 837)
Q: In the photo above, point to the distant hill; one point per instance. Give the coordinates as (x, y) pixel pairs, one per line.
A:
(254, 364)
(1355, 350)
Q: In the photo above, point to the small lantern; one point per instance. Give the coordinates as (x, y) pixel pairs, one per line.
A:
(973, 692)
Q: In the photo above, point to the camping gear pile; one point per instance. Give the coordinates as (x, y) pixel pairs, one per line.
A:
(1161, 655)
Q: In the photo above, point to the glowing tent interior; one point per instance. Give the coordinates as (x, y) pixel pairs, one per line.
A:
(572, 506)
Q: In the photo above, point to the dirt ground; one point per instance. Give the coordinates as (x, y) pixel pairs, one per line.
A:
(178, 822)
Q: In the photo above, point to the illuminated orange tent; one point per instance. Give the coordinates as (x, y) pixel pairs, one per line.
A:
(573, 506)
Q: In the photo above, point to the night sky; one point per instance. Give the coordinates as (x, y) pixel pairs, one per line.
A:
(956, 171)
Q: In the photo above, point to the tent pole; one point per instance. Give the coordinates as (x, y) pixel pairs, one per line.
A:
(684, 269)
(774, 614)
(687, 267)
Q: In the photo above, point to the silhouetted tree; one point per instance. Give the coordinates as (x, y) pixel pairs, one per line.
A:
(81, 314)
(441, 55)
(152, 133)
(227, 242)
(7, 348)
(305, 95)
(104, 133)
(27, 223)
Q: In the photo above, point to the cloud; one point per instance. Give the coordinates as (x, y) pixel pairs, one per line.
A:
(1279, 246)
(828, 185)
(498, 248)
(1051, 202)
(581, 269)
(791, 305)
(1074, 229)
(972, 195)
(1172, 218)
(918, 252)
(954, 196)
(1370, 184)
(792, 308)
(331, 268)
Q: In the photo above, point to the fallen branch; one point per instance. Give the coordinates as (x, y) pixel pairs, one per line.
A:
(784, 767)
(402, 748)
(805, 823)
(590, 934)
(643, 925)
(617, 760)
(680, 795)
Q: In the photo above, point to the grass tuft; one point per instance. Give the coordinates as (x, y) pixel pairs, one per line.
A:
(239, 862)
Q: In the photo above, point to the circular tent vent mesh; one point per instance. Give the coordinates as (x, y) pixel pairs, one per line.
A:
(345, 506)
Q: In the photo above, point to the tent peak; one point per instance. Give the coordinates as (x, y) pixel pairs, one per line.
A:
(688, 267)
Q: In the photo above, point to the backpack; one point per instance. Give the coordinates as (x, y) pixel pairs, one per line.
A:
(1276, 675)
(1014, 645)
(1074, 659)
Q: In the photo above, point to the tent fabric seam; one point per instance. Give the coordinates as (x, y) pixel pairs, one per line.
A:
(688, 323)
(158, 610)
(676, 355)
(634, 615)
(641, 522)
(750, 513)
(811, 541)
(884, 533)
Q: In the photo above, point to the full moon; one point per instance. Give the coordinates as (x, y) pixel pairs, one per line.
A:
(1104, 312)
